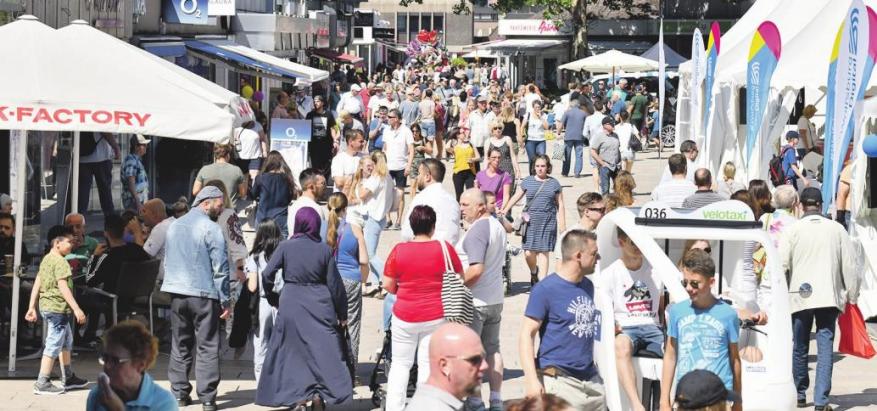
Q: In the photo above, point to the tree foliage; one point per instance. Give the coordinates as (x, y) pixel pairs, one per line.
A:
(558, 10)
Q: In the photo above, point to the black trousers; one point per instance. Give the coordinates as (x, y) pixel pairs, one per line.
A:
(463, 180)
(103, 175)
(194, 323)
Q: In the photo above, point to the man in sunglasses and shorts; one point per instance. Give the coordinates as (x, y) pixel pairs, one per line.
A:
(702, 332)
(636, 299)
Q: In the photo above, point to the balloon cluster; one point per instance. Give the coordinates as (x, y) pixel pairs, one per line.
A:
(426, 48)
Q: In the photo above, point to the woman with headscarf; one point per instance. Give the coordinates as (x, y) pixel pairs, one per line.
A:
(306, 352)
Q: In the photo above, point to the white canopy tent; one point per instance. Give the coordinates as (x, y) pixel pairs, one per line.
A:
(51, 81)
(80, 32)
(808, 29)
(610, 62)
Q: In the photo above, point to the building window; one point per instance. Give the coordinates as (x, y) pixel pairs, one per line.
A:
(486, 17)
(426, 22)
(413, 25)
(438, 22)
(401, 22)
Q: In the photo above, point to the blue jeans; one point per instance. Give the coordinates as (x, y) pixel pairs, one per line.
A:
(372, 234)
(802, 323)
(569, 145)
(389, 301)
(606, 176)
(534, 148)
(59, 333)
(428, 128)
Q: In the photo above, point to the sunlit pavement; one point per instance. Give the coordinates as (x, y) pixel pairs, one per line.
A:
(854, 385)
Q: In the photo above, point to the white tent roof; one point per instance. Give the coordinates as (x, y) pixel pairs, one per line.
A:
(310, 74)
(79, 31)
(612, 60)
(742, 30)
(56, 83)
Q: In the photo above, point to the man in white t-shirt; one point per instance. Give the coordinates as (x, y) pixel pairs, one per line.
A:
(674, 191)
(399, 148)
(593, 127)
(636, 298)
(346, 162)
(376, 102)
(312, 183)
(156, 219)
(482, 252)
(689, 150)
(479, 125)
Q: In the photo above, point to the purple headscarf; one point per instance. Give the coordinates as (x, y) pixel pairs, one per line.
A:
(307, 224)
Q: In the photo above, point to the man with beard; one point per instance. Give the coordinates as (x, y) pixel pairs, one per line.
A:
(324, 136)
(197, 277)
(7, 236)
(456, 367)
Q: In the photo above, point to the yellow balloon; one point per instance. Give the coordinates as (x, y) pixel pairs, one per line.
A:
(247, 91)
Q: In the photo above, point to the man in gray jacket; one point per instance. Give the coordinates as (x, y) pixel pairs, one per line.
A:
(817, 251)
(196, 277)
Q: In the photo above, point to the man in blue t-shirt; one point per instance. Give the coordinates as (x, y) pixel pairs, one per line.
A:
(561, 308)
(702, 332)
(791, 171)
(376, 130)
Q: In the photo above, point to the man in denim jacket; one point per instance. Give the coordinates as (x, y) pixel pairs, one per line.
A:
(196, 276)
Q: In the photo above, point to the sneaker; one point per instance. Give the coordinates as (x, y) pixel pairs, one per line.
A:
(184, 401)
(474, 406)
(209, 406)
(46, 388)
(495, 406)
(73, 382)
(802, 403)
(823, 408)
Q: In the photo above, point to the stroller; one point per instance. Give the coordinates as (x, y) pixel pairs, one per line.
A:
(378, 379)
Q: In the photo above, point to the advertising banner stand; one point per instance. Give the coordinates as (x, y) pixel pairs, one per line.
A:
(291, 138)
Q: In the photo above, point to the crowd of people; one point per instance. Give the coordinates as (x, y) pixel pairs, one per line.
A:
(385, 146)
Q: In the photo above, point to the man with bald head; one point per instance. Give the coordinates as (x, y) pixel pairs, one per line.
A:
(456, 366)
(704, 195)
(561, 308)
(157, 221)
(482, 252)
(84, 246)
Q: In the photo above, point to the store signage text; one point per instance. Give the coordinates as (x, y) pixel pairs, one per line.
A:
(67, 116)
(220, 7)
(531, 27)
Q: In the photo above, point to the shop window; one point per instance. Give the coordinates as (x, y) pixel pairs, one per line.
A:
(413, 25)
(438, 22)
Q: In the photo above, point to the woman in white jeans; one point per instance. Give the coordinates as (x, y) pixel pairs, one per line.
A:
(413, 273)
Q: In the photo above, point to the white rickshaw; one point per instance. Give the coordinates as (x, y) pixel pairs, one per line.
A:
(660, 232)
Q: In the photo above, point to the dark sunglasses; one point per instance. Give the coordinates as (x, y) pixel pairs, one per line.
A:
(694, 283)
(601, 210)
(475, 360)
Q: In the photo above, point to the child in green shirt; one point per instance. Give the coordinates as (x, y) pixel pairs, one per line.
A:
(53, 288)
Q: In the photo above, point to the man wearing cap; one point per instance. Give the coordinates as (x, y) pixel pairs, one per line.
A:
(605, 150)
(135, 184)
(817, 251)
(350, 102)
(197, 277)
(791, 170)
(303, 101)
(700, 389)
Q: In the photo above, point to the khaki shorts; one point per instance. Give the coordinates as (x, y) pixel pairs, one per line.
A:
(582, 395)
(486, 325)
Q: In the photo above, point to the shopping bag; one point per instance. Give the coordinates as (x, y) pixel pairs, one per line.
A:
(854, 339)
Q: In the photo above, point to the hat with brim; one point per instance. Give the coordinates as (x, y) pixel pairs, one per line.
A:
(811, 196)
(207, 193)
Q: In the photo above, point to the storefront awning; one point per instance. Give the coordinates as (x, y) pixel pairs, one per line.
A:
(335, 56)
(524, 44)
(247, 59)
(166, 48)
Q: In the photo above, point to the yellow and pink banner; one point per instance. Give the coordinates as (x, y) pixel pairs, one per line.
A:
(764, 53)
(850, 66)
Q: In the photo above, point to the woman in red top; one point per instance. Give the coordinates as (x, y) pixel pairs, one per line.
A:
(414, 273)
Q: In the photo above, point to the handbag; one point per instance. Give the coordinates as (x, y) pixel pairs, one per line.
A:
(635, 144)
(457, 301)
(854, 339)
(558, 149)
(522, 222)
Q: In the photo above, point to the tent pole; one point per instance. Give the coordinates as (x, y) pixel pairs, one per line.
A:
(74, 178)
(19, 238)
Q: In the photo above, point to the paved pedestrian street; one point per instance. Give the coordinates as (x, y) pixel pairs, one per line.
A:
(854, 383)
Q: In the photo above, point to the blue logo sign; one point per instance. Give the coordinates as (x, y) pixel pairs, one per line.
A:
(185, 11)
(284, 129)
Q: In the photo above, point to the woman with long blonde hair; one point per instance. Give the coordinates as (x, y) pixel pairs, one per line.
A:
(511, 126)
(377, 191)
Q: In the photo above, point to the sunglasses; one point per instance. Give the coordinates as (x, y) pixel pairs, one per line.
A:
(694, 284)
(497, 128)
(598, 210)
(111, 360)
(475, 360)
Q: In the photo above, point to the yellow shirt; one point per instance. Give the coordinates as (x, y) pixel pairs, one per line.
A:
(462, 154)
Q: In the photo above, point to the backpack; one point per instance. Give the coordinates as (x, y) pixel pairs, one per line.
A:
(775, 168)
(88, 143)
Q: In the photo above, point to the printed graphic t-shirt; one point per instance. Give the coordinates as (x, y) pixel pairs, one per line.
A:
(702, 338)
(635, 294)
(570, 324)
